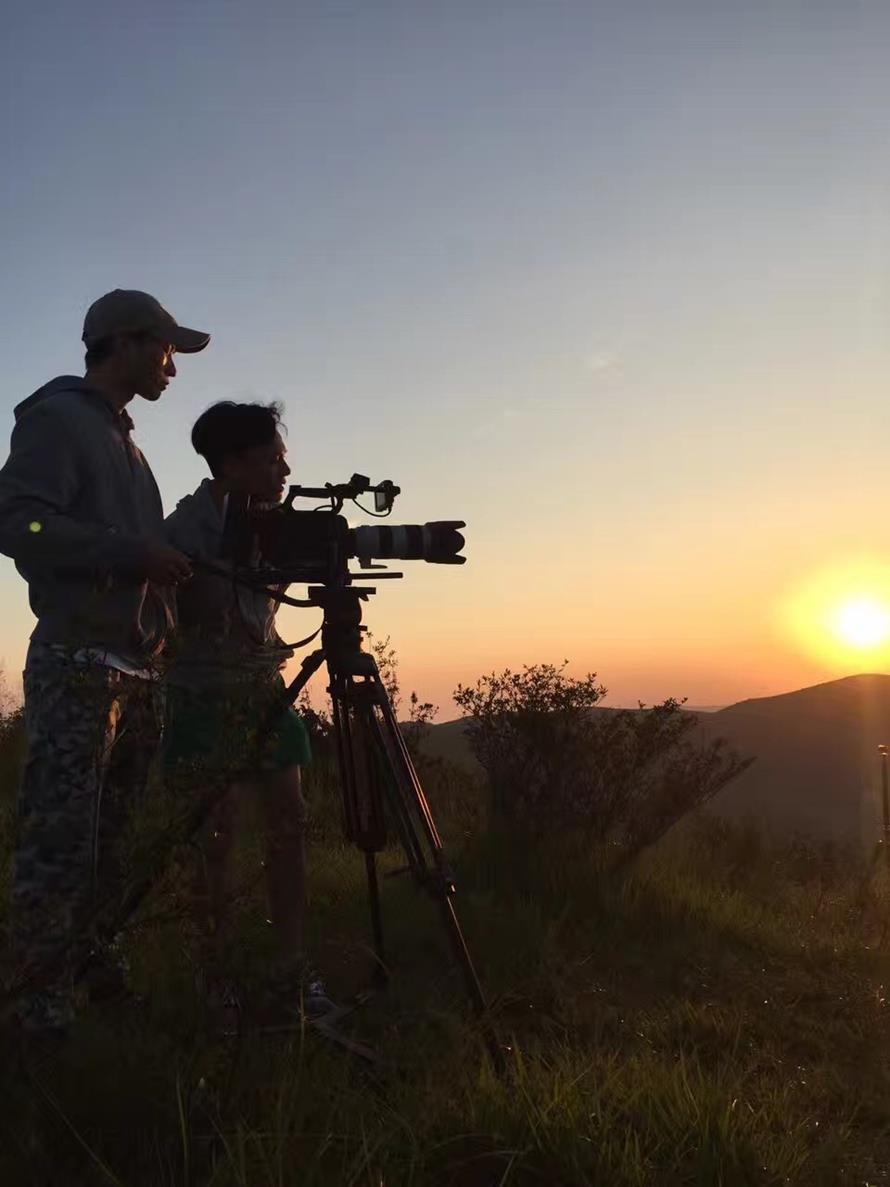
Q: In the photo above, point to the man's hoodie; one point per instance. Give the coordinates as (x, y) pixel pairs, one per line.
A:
(78, 505)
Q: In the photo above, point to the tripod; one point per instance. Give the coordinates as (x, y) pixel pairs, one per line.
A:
(378, 777)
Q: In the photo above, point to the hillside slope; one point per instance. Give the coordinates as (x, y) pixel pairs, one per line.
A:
(818, 766)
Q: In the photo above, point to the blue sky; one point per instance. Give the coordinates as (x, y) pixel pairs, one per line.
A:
(610, 281)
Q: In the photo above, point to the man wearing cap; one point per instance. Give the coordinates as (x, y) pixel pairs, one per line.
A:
(81, 516)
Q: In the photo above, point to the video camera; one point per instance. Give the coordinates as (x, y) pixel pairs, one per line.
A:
(315, 546)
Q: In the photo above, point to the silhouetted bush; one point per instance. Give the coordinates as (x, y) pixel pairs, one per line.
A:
(557, 761)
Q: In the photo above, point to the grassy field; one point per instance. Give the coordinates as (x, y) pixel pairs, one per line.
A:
(715, 1015)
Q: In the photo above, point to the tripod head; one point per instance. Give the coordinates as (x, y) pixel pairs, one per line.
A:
(341, 629)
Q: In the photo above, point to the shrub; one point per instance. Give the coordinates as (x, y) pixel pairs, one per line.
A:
(555, 760)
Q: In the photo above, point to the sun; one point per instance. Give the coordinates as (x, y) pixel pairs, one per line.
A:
(840, 616)
(862, 622)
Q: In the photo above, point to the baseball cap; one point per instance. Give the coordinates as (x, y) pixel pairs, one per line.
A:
(131, 311)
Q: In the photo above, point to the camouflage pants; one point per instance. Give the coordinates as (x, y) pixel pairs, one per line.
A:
(92, 733)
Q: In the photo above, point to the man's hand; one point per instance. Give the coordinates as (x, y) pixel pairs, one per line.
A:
(163, 565)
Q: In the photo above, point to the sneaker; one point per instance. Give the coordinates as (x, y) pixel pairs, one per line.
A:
(223, 1006)
(289, 1005)
(107, 974)
(316, 1003)
(105, 984)
(44, 1019)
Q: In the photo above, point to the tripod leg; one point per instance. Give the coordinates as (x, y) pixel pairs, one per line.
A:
(377, 769)
(376, 916)
(410, 808)
(363, 812)
(464, 960)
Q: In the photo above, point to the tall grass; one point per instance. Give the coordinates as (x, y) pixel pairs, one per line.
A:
(715, 1015)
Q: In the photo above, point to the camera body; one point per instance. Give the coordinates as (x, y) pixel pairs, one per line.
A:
(316, 546)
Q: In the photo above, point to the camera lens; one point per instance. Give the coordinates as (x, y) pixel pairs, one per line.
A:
(438, 543)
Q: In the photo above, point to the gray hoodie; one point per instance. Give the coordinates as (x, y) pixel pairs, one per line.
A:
(226, 631)
(78, 503)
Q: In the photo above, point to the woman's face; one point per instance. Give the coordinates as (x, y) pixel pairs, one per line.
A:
(260, 472)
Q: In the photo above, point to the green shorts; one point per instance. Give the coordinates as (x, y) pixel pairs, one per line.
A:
(218, 729)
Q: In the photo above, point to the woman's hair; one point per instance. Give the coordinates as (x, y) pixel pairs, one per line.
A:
(228, 428)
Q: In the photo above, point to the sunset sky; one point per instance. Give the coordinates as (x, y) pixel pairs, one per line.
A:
(609, 281)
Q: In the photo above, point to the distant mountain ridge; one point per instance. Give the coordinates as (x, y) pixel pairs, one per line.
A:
(817, 767)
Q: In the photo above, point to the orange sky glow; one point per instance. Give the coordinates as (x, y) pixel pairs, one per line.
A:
(609, 283)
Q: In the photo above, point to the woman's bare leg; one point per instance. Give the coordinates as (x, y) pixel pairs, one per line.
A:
(212, 877)
(285, 817)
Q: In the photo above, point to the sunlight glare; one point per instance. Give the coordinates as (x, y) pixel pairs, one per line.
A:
(862, 622)
(841, 616)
